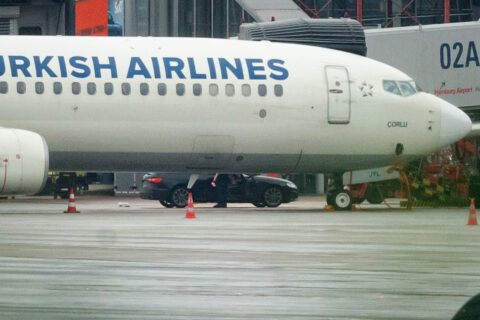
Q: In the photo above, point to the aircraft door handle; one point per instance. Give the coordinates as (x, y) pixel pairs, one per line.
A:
(337, 91)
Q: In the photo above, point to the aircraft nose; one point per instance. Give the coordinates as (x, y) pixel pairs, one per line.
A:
(455, 124)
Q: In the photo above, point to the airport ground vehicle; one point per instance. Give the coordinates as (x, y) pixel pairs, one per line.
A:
(58, 184)
(171, 189)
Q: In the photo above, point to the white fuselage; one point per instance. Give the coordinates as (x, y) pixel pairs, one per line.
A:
(321, 121)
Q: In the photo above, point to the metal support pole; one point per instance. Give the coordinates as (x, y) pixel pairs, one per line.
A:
(447, 11)
(416, 8)
(69, 17)
(175, 18)
(194, 18)
(359, 11)
(228, 19)
(211, 19)
(386, 12)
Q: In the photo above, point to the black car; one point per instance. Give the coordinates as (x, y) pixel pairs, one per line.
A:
(171, 189)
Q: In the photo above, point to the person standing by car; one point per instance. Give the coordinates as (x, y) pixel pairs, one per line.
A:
(220, 183)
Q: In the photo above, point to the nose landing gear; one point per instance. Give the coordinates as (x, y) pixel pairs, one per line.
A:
(337, 196)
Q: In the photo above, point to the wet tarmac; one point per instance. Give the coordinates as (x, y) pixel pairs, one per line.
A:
(293, 262)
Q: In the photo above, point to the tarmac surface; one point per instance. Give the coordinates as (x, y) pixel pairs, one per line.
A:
(293, 262)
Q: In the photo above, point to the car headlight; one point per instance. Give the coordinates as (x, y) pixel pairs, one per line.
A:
(292, 185)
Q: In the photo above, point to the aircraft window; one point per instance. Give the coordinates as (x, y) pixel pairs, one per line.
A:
(278, 89)
(180, 89)
(3, 87)
(126, 89)
(407, 88)
(91, 88)
(391, 86)
(213, 89)
(416, 86)
(246, 90)
(76, 88)
(21, 87)
(197, 89)
(229, 90)
(57, 87)
(262, 90)
(108, 88)
(39, 87)
(162, 89)
(144, 89)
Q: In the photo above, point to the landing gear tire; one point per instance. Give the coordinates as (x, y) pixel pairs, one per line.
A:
(373, 195)
(259, 204)
(179, 197)
(342, 200)
(273, 197)
(166, 204)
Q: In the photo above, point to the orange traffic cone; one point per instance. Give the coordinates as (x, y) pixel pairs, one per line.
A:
(329, 208)
(71, 203)
(190, 212)
(472, 216)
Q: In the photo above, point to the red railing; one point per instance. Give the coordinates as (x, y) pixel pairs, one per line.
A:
(312, 13)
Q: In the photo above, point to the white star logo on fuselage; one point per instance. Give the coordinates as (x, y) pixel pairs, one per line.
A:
(366, 89)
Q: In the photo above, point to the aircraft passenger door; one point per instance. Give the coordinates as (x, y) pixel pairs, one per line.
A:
(338, 86)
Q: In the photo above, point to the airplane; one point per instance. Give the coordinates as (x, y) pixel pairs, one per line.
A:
(206, 105)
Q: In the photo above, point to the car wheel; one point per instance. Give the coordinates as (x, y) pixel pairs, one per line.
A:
(179, 197)
(259, 204)
(166, 204)
(273, 197)
(373, 195)
(342, 200)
